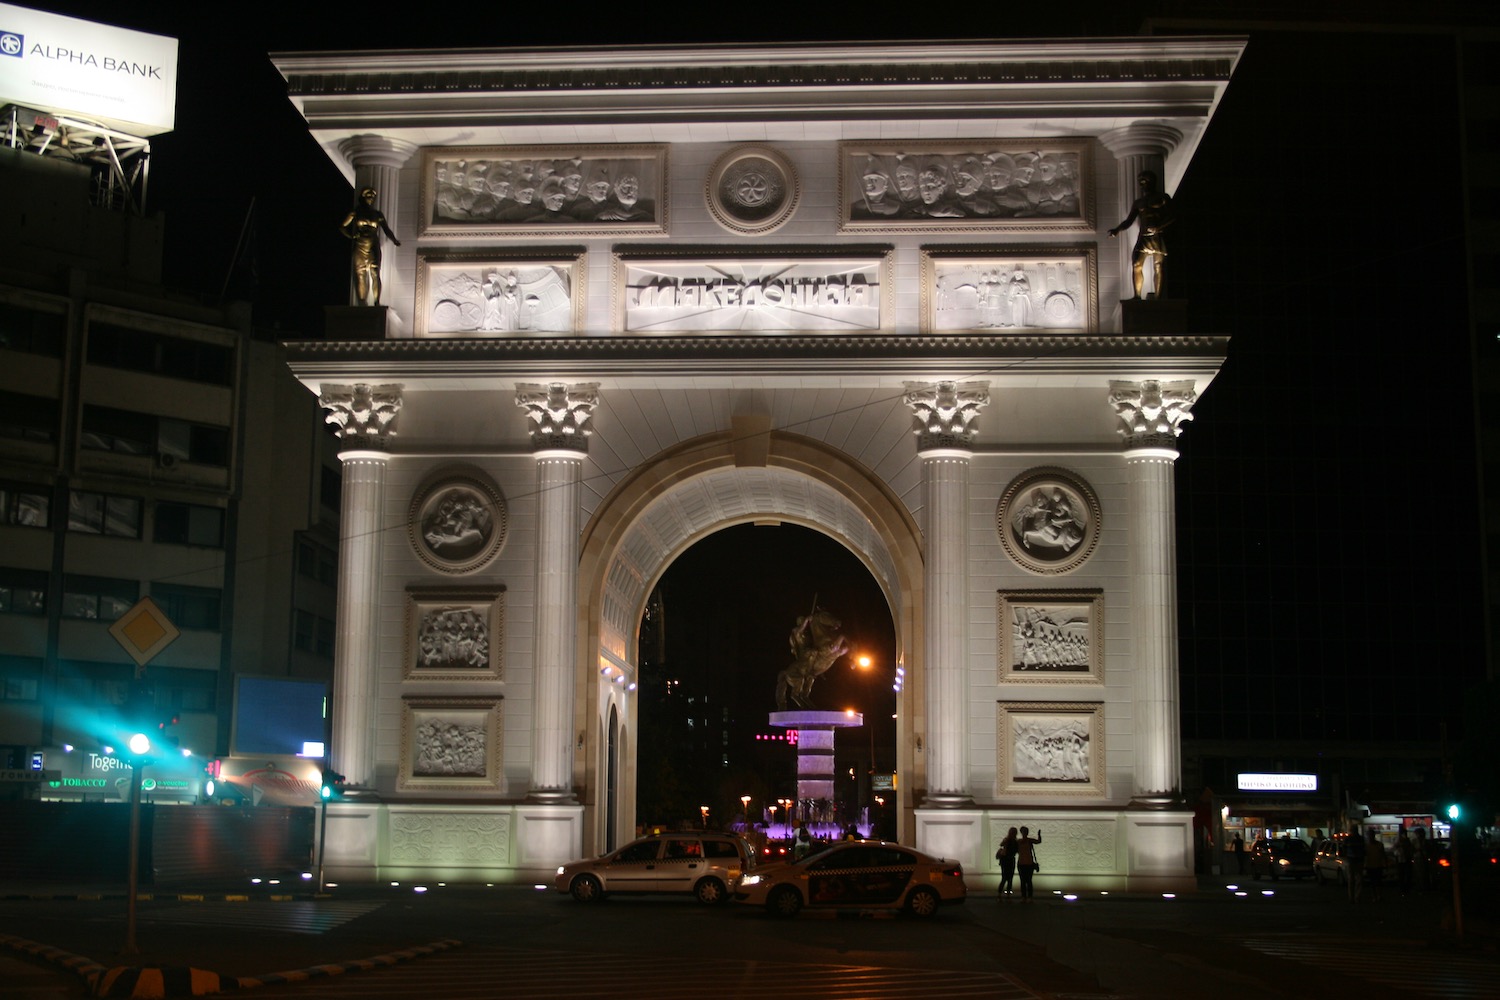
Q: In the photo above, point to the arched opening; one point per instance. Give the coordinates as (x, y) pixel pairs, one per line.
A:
(612, 780)
(715, 638)
(692, 491)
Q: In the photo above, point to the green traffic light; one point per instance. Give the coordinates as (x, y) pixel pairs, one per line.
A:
(1454, 812)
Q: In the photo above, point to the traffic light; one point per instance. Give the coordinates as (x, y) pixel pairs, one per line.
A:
(1454, 812)
(333, 784)
(165, 733)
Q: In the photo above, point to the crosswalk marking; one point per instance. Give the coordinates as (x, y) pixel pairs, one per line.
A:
(471, 973)
(1407, 966)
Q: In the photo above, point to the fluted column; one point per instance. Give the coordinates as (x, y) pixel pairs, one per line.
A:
(559, 415)
(377, 161)
(946, 415)
(1151, 414)
(365, 418)
(1136, 147)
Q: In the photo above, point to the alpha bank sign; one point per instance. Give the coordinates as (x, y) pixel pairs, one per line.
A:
(66, 66)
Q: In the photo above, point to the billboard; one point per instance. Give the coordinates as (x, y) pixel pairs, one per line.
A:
(120, 78)
(279, 716)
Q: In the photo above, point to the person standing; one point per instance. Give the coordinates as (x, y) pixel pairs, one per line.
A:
(1375, 863)
(1006, 855)
(1026, 861)
(1354, 864)
(1237, 847)
(1405, 852)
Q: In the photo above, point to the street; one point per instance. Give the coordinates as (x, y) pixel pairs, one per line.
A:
(1301, 940)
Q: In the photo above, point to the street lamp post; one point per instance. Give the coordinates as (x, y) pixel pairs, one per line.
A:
(704, 811)
(139, 746)
(745, 807)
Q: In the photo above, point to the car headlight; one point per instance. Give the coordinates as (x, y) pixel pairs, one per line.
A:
(1284, 862)
(750, 880)
(561, 870)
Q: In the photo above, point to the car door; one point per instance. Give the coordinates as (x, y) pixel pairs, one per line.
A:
(632, 868)
(681, 864)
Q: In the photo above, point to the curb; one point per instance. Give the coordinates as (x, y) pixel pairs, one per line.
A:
(179, 897)
(149, 983)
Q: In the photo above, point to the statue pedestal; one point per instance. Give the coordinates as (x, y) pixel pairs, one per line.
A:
(360, 323)
(815, 752)
(1153, 316)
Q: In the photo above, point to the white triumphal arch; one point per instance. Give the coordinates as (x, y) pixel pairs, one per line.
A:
(645, 294)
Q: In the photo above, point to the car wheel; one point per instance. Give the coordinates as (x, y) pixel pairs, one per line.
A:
(784, 901)
(710, 891)
(586, 889)
(922, 902)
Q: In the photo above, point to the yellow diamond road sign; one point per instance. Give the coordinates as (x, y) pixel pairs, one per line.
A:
(144, 631)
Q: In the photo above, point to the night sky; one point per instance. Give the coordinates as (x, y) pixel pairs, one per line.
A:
(1327, 498)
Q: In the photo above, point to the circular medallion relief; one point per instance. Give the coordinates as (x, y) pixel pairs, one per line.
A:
(457, 521)
(1048, 520)
(752, 190)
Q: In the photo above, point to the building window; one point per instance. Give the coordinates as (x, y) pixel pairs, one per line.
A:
(28, 418)
(313, 634)
(178, 690)
(20, 678)
(129, 433)
(30, 506)
(104, 514)
(189, 524)
(23, 591)
(32, 330)
(101, 598)
(189, 607)
(159, 354)
(317, 562)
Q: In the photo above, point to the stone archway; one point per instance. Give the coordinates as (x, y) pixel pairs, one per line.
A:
(689, 491)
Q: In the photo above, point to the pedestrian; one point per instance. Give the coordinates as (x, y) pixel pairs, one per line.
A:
(1026, 861)
(1354, 864)
(1405, 852)
(1375, 863)
(1006, 855)
(1421, 859)
(1237, 847)
(802, 845)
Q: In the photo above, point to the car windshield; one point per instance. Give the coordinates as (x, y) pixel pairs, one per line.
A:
(1289, 847)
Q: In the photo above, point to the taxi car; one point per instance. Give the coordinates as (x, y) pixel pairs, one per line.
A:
(856, 875)
(703, 864)
(1284, 857)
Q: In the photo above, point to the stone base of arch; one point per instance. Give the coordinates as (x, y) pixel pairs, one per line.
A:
(1083, 849)
(369, 842)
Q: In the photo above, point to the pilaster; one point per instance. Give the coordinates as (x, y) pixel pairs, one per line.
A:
(1151, 414)
(559, 417)
(946, 416)
(365, 417)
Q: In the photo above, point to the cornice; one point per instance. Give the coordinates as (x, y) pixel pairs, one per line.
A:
(879, 357)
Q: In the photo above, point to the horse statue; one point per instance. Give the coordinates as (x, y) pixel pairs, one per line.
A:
(816, 646)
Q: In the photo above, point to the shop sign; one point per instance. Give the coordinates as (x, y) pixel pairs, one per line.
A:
(1253, 782)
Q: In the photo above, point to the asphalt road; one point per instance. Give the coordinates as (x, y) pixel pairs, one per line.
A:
(1302, 940)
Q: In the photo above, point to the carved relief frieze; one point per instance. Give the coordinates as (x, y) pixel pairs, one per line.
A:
(457, 521)
(469, 838)
(729, 290)
(483, 294)
(451, 743)
(454, 634)
(1049, 520)
(1051, 636)
(496, 191)
(973, 185)
(1050, 749)
(973, 289)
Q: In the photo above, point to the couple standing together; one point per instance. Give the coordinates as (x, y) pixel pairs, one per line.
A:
(1018, 852)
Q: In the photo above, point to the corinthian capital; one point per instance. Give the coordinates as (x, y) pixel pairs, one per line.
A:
(946, 412)
(559, 413)
(365, 415)
(1152, 413)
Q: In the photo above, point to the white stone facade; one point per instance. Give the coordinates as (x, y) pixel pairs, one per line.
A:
(752, 337)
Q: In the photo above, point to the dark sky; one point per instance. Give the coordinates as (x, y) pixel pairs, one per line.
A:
(1327, 489)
